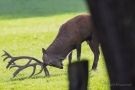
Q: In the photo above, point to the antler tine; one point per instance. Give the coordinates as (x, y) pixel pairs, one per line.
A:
(12, 64)
(20, 68)
(34, 69)
(22, 57)
(40, 70)
(43, 67)
(45, 70)
(7, 55)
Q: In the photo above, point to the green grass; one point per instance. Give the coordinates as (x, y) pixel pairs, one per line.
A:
(28, 25)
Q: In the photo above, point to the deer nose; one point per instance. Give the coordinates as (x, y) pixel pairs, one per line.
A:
(61, 66)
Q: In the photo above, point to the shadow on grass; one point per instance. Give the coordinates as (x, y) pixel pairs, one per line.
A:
(39, 77)
(35, 77)
(13, 9)
(23, 78)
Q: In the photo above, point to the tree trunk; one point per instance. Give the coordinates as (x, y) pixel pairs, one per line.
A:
(115, 23)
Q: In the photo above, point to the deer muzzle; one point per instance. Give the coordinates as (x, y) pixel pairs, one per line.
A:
(57, 65)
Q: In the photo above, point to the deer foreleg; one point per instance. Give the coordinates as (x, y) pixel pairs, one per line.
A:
(70, 57)
(78, 49)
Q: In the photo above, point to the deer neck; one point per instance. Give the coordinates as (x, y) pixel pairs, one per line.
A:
(59, 48)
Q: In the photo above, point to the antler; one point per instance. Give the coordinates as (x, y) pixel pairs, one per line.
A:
(12, 64)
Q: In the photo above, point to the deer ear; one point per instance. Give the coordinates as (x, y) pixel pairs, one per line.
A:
(43, 51)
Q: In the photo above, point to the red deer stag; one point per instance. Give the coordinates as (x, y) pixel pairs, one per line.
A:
(71, 35)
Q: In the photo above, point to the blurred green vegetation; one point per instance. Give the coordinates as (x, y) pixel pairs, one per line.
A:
(10, 9)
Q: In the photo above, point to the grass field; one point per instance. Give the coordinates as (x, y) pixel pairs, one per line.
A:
(28, 25)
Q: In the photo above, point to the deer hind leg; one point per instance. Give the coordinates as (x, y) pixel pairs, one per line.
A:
(94, 45)
(78, 49)
(96, 58)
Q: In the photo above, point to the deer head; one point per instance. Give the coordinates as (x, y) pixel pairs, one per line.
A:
(52, 60)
